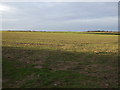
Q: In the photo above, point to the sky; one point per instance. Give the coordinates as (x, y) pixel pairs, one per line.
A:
(59, 16)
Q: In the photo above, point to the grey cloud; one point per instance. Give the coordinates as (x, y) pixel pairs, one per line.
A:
(61, 16)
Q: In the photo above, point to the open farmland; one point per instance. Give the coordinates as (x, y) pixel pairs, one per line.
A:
(59, 59)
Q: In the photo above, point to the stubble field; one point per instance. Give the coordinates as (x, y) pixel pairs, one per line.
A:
(59, 60)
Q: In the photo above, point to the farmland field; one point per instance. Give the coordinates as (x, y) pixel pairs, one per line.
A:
(59, 60)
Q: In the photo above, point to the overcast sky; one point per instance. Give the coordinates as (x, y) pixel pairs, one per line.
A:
(70, 16)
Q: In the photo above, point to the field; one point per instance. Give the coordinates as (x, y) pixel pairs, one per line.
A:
(59, 60)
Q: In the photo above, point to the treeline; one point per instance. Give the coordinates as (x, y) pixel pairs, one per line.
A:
(106, 32)
(99, 31)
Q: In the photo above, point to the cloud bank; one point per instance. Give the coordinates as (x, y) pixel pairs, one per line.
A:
(54, 16)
